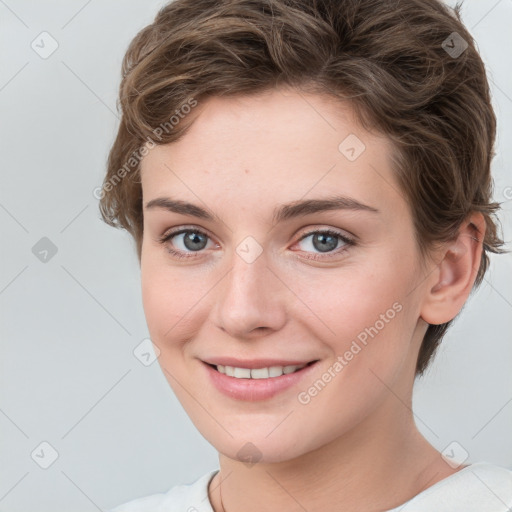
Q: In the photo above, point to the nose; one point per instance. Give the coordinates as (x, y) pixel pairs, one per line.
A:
(251, 299)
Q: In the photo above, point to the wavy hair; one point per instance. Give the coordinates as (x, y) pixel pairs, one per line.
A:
(409, 68)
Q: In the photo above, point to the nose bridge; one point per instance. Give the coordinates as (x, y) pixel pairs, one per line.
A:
(248, 297)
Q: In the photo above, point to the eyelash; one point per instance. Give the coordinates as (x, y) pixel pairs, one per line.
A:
(349, 242)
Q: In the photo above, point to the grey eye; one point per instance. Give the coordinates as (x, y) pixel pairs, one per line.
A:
(193, 240)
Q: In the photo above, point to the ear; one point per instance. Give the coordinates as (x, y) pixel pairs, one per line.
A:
(451, 282)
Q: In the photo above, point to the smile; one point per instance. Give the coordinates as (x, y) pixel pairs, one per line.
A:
(260, 382)
(258, 373)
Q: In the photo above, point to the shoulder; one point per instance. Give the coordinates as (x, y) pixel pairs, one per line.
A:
(475, 488)
(181, 498)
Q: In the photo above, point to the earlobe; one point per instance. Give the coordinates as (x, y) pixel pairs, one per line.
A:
(453, 278)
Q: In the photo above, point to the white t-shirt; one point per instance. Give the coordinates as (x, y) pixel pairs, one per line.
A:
(479, 487)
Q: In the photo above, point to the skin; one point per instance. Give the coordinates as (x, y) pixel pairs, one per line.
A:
(356, 441)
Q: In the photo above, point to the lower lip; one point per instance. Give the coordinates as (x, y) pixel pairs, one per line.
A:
(252, 390)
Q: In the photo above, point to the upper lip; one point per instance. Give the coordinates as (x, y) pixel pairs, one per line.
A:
(255, 363)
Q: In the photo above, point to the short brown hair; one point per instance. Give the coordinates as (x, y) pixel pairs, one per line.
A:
(409, 68)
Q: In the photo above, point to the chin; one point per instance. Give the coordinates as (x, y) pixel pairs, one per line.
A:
(260, 452)
(252, 446)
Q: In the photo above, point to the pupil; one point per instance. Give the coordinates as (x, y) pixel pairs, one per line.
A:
(194, 241)
(324, 243)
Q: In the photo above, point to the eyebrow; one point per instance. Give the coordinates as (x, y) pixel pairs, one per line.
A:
(283, 212)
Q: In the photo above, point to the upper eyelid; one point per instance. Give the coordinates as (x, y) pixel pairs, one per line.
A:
(311, 231)
(183, 229)
(331, 230)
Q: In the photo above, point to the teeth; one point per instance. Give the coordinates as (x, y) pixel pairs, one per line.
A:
(242, 373)
(258, 373)
(275, 371)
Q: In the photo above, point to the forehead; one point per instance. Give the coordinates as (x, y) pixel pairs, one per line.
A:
(278, 145)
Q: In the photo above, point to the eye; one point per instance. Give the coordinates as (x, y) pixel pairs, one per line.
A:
(328, 242)
(184, 243)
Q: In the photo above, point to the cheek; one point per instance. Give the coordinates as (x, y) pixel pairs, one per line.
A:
(176, 304)
(167, 301)
(348, 301)
(363, 315)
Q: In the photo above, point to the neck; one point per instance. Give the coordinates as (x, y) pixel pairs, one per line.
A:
(379, 464)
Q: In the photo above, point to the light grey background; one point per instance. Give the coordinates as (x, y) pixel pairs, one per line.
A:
(68, 375)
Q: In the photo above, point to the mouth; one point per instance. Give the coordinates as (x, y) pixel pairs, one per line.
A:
(267, 372)
(251, 381)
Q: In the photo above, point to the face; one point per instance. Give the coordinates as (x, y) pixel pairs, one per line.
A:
(280, 275)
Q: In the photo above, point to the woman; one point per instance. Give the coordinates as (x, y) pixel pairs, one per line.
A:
(308, 186)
